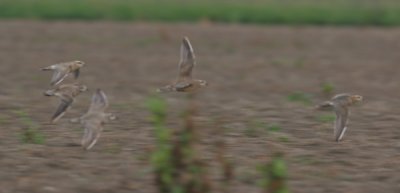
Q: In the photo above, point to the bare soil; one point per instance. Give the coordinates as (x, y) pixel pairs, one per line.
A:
(251, 70)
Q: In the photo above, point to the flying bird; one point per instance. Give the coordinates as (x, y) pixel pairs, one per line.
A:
(62, 70)
(67, 94)
(94, 119)
(185, 81)
(340, 104)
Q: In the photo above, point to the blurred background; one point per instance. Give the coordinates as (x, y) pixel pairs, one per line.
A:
(267, 62)
(335, 12)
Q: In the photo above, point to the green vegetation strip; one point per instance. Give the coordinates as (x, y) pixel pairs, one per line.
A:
(315, 12)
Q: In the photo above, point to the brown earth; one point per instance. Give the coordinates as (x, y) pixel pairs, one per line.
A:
(251, 70)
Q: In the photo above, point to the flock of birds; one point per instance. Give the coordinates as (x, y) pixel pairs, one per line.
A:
(96, 116)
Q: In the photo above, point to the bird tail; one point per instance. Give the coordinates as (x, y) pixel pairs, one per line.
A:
(48, 93)
(167, 88)
(48, 68)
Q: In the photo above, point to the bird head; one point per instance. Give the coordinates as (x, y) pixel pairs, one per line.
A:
(202, 82)
(79, 64)
(356, 98)
(83, 88)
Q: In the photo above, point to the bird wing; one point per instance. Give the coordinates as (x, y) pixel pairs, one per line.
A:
(341, 121)
(65, 103)
(181, 86)
(58, 76)
(187, 60)
(76, 73)
(99, 102)
(91, 133)
(327, 105)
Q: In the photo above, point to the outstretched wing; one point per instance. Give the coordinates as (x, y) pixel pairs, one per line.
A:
(58, 76)
(91, 134)
(327, 105)
(62, 108)
(99, 102)
(340, 122)
(187, 60)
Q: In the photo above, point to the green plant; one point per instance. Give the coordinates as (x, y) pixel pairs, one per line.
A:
(177, 167)
(275, 175)
(32, 135)
(327, 88)
(274, 127)
(20, 113)
(254, 128)
(30, 130)
(300, 97)
(284, 139)
(161, 157)
(3, 119)
(326, 118)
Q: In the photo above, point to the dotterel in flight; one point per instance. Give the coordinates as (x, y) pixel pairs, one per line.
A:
(185, 81)
(340, 104)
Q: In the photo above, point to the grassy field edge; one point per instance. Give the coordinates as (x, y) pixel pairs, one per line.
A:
(336, 12)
